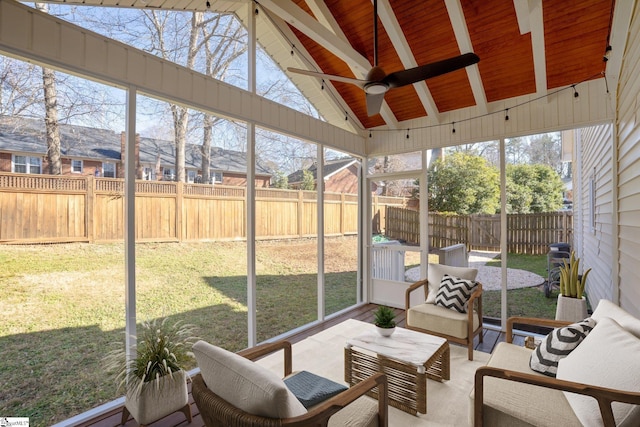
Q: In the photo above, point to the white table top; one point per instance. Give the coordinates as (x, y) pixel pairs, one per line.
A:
(404, 345)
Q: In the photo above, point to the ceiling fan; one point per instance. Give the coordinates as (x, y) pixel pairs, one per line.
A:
(377, 82)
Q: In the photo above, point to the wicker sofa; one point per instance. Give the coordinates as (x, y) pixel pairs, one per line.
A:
(604, 365)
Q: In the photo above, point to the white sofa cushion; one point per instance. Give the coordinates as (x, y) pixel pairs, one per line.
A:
(245, 384)
(606, 308)
(515, 404)
(608, 357)
(435, 273)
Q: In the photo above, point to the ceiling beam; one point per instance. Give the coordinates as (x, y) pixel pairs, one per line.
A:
(536, 24)
(326, 18)
(522, 14)
(454, 9)
(392, 26)
(618, 40)
(293, 15)
(303, 61)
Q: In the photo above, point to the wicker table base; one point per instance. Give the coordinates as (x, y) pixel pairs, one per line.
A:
(407, 382)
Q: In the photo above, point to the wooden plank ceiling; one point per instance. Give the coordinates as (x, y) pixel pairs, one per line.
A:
(560, 43)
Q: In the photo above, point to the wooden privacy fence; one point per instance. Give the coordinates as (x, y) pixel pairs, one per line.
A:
(45, 208)
(526, 233)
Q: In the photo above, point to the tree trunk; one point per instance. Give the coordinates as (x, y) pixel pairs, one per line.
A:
(206, 147)
(51, 115)
(51, 122)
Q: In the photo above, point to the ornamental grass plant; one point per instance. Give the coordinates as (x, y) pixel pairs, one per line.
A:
(162, 348)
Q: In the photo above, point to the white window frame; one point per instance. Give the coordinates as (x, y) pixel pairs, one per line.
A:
(73, 166)
(29, 163)
(191, 175)
(110, 168)
(149, 174)
(217, 177)
(168, 174)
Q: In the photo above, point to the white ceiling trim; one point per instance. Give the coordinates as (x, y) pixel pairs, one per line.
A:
(330, 94)
(522, 14)
(618, 41)
(392, 26)
(537, 44)
(454, 8)
(301, 20)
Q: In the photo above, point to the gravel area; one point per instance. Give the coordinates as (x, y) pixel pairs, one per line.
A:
(491, 277)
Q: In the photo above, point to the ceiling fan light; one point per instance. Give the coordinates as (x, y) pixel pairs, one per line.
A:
(375, 88)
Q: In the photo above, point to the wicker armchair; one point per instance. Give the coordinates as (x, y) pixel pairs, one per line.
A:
(216, 411)
(460, 328)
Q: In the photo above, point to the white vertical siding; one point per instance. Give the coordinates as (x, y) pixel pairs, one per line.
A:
(528, 115)
(628, 133)
(594, 245)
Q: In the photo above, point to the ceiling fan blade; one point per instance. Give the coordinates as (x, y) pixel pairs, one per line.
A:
(423, 72)
(353, 81)
(374, 103)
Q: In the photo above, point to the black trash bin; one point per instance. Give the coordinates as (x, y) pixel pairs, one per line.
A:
(559, 250)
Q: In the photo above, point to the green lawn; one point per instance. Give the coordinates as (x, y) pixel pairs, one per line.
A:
(63, 307)
(525, 301)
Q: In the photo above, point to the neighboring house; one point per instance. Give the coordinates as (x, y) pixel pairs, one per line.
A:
(340, 176)
(99, 152)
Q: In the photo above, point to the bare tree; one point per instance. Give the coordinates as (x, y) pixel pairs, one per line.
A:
(218, 59)
(51, 114)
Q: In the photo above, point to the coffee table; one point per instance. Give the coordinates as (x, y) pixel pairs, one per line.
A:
(407, 357)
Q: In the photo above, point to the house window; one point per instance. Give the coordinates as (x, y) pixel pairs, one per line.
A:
(109, 170)
(149, 174)
(217, 177)
(168, 174)
(76, 166)
(191, 176)
(27, 164)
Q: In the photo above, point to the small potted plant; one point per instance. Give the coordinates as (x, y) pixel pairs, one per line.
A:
(385, 325)
(572, 305)
(154, 380)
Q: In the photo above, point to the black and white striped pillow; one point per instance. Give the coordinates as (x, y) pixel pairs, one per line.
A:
(454, 293)
(557, 345)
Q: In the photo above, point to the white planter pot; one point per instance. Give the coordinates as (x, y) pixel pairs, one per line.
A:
(571, 309)
(385, 332)
(158, 399)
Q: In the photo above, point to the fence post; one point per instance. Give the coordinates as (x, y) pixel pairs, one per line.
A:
(300, 212)
(342, 212)
(179, 199)
(90, 208)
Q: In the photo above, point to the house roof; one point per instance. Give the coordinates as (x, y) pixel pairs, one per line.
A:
(330, 167)
(21, 135)
(18, 135)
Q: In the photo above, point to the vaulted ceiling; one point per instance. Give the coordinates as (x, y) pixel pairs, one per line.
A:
(526, 47)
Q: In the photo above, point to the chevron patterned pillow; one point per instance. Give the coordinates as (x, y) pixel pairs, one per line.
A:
(454, 293)
(557, 345)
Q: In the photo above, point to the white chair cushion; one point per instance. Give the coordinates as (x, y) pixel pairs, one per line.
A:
(244, 384)
(608, 357)
(606, 308)
(436, 271)
(440, 319)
